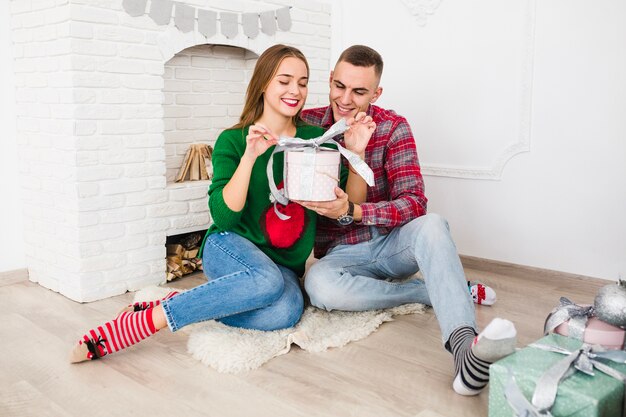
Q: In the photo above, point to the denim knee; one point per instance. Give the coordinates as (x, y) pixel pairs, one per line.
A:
(267, 284)
(320, 285)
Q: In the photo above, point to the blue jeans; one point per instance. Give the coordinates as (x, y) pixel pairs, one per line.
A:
(375, 274)
(245, 289)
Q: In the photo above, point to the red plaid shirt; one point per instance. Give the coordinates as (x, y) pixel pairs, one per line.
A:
(398, 195)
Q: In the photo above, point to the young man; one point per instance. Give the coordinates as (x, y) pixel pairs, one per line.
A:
(368, 250)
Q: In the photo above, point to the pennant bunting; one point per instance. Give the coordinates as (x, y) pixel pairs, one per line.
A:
(207, 22)
(268, 23)
(284, 18)
(250, 23)
(228, 24)
(135, 7)
(161, 11)
(185, 17)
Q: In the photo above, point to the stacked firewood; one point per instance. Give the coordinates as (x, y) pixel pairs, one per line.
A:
(196, 165)
(183, 257)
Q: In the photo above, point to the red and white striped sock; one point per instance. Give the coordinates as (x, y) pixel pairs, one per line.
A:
(126, 330)
(143, 305)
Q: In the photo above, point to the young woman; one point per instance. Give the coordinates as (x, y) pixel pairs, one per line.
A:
(252, 259)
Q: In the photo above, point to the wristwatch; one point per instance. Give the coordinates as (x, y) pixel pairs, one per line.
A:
(348, 217)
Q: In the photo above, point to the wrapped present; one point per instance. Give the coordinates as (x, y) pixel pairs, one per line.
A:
(558, 376)
(579, 322)
(311, 175)
(304, 186)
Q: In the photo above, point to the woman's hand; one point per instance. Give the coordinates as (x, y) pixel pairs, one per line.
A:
(361, 129)
(259, 140)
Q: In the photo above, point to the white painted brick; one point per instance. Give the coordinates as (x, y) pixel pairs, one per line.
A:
(177, 86)
(101, 233)
(87, 158)
(123, 127)
(168, 209)
(123, 215)
(85, 128)
(103, 172)
(145, 226)
(168, 73)
(41, 111)
(148, 169)
(45, 33)
(142, 112)
(140, 52)
(308, 5)
(143, 82)
(154, 97)
(146, 198)
(88, 250)
(96, 80)
(154, 126)
(97, 112)
(144, 141)
(146, 254)
(125, 185)
(102, 263)
(58, 127)
(209, 87)
(193, 99)
(120, 96)
(176, 111)
(26, 95)
(188, 193)
(119, 34)
(196, 219)
(123, 156)
(177, 137)
(125, 244)
(193, 124)
(156, 155)
(179, 61)
(87, 219)
(90, 47)
(81, 30)
(209, 111)
(192, 74)
(207, 62)
(122, 66)
(225, 99)
(227, 75)
(88, 189)
(31, 20)
(199, 206)
(94, 15)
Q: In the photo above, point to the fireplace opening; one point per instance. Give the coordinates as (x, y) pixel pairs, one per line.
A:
(183, 254)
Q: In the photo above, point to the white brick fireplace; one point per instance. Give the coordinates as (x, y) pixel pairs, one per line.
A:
(107, 105)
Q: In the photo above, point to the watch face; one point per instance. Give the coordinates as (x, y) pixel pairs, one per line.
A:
(345, 220)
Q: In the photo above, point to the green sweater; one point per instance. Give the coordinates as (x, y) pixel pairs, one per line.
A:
(286, 242)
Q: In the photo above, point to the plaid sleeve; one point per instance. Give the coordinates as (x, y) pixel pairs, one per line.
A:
(405, 200)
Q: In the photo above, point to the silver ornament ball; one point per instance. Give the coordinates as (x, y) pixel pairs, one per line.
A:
(610, 304)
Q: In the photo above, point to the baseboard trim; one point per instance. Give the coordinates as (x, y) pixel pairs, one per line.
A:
(12, 277)
(506, 268)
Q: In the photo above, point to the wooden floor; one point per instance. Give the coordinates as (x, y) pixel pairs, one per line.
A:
(400, 370)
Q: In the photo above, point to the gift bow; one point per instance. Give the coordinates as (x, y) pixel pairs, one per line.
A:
(285, 143)
(584, 359)
(567, 310)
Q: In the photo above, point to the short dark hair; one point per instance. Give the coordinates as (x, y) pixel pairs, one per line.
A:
(363, 56)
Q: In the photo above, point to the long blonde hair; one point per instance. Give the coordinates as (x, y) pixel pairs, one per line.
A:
(264, 70)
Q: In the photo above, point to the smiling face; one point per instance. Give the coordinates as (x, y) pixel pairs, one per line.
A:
(287, 90)
(352, 89)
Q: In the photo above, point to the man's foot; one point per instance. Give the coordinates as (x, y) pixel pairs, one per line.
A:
(143, 305)
(473, 354)
(481, 293)
(126, 330)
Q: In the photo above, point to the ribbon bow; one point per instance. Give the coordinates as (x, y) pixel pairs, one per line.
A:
(289, 143)
(585, 359)
(567, 310)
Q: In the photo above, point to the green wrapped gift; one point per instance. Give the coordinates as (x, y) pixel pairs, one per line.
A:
(579, 395)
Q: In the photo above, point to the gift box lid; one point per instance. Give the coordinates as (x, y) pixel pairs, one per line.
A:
(579, 395)
(598, 332)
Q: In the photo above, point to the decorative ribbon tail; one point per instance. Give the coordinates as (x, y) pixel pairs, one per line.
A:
(520, 405)
(548, 385)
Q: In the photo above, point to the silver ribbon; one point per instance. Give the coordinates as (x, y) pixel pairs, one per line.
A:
(288, 143)
(567, 310)
(585, 359)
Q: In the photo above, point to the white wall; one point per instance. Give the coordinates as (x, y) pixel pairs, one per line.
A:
(561, 206)
(11, 234)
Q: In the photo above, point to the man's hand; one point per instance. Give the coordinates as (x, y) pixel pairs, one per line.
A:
(361, 129)
(331, 209)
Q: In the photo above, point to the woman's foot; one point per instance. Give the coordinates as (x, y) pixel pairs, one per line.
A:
(126, 330)
(481, 293)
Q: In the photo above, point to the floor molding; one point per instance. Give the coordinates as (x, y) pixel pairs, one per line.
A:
(12, 277)
(506, 268)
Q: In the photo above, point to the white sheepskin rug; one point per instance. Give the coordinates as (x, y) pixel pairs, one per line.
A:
(233, 350)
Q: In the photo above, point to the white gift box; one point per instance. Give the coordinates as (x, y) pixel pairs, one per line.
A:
(311, 174)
